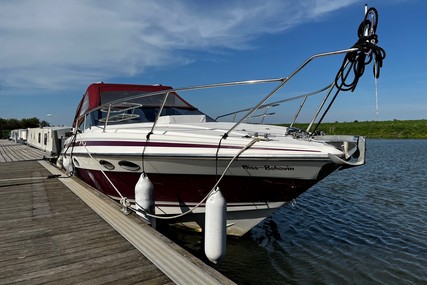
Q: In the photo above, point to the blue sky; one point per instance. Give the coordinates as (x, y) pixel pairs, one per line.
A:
(52, 50)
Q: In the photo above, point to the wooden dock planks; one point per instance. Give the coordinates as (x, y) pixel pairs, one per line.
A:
(48, 235)
(175, 262)
(11, 151)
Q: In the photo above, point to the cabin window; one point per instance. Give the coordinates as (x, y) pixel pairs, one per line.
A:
(128, 165)
(106, 164)
(45, 139)
(40, 138)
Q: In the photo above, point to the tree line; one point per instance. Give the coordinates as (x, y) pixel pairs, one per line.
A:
(6, 125)
(395, 129)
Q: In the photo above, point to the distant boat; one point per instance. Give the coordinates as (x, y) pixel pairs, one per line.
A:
(124, 130)
(18, 135)
(48, 139)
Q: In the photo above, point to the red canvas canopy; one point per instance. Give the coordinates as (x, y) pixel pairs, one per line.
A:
(93, 99)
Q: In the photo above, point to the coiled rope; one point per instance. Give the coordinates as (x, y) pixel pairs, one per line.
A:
(367, 52)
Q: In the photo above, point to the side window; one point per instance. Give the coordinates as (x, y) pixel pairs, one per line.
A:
(85, 104)
(81, 125)
(87, 123)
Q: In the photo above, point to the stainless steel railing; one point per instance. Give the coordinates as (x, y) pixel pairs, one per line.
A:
(249, 111)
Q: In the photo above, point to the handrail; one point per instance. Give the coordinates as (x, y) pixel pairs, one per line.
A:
(106, 118)
(275, 103)
(158, 115)
(196, 87)
(250, 111)
(285, 81)
(121, 107)
(324, 101)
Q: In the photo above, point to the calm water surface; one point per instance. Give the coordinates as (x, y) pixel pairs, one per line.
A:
(366, 225)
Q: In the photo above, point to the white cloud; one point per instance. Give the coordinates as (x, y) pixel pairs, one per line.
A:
(49, 43)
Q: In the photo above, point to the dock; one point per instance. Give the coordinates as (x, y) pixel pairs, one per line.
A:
(56, 229)
(11, 151)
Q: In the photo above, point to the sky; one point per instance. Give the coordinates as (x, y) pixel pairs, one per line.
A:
(51, 51)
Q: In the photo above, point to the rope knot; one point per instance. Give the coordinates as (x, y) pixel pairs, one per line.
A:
(125, 205)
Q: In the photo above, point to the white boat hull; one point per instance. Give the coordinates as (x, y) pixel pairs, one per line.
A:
(261, 180)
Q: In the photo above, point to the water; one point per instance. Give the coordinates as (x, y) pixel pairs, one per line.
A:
(366, 225)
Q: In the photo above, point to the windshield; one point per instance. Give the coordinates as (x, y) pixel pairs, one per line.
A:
(152, 100)
(139, 109)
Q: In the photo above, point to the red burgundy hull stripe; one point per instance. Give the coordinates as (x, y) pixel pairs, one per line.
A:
(176, 145)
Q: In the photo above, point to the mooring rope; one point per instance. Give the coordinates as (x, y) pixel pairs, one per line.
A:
(123, 200)
(368, 50)
(251, 143)
(357, 60)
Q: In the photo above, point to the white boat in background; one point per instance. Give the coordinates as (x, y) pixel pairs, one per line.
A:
(48, 139)
(124, 130)
(18, 135)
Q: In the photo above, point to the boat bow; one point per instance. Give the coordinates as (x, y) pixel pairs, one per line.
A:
(352, 147)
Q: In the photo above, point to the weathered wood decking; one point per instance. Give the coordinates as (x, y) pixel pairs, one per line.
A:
(11, 151)
(48, 235)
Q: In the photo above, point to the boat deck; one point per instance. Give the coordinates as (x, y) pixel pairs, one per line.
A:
(58, 230)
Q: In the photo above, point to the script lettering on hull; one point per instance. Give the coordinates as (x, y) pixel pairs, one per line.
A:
(268, 167)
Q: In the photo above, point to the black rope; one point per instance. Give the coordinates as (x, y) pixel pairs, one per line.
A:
(147, 138)
(216, 155)
(357, 60)
(367, 52)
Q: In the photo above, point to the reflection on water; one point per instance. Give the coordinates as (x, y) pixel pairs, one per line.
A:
(366, 225)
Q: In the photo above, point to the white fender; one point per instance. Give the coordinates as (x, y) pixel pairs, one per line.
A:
(68, 165)
(144, 197)
(59, 162)
(215, 226)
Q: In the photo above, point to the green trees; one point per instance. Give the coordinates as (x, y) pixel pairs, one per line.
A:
(6, 125)
(395, 129)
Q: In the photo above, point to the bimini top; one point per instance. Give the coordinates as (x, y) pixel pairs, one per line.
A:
(106, 97)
